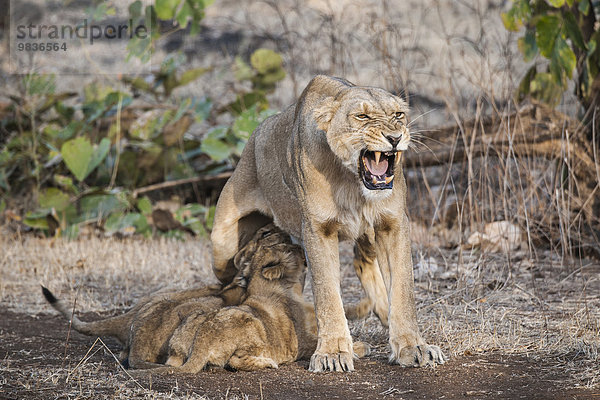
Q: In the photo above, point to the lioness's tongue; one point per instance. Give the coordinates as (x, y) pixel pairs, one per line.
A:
(377, 169)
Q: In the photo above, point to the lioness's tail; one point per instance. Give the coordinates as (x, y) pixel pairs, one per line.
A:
(113, 326)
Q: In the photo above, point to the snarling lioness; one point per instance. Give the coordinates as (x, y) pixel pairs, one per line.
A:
(328, 167)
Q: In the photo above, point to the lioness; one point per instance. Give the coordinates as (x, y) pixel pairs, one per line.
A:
(328, 167)
(272, 326)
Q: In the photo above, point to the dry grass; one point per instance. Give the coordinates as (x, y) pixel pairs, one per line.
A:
(100, 273)
(469, 302)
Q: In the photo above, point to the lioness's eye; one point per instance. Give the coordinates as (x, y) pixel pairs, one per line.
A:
(362, 117)
(399, 115)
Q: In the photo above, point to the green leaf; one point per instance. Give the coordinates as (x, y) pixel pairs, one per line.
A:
(202, 109)
(264, 60)
(144, 205)
(565, 56)
(547, 30)
(241, 70)
(511, 23)
(216, 149)
(120, 221)
(100, 11)
(64, 111)
(54, 198)
(141, 84)
(544, 88)
(527, 45)
(192, 208)
(99, 154)
(245, 123)
(165, 9)
(191, 75)
(196, 225)
(185, 14)
(77, 154)
(141, 47)
(572, 30)
(66, 183)
(246, 100)
(556, 3)
(584, 80)
(210, 217)
(218, 132)
(39, 84)
(93, 110)
(135, 9)
(591, 47)
(584, 7)
(100, 205)
(35, 222)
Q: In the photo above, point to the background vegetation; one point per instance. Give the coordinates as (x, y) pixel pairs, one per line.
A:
(101, 157)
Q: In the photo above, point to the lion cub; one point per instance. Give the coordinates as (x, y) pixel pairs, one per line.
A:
(272, 326)
(175, 328)
(145, 330)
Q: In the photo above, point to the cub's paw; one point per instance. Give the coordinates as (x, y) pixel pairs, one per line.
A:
(341, 362)
(419, 356)
(361, 349)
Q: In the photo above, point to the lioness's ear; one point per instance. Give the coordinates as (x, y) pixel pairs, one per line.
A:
(273, 271)
(324, 112)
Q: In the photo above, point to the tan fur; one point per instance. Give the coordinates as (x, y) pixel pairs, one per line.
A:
(272, 326)
(145, 330)
(161, 328)
(300, 169)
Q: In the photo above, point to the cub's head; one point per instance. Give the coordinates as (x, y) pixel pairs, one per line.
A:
(270, 257)
(367, 128)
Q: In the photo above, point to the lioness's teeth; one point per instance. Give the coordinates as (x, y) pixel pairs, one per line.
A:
(374, 181)
(377, 156)
(389, 179)
(399, 157)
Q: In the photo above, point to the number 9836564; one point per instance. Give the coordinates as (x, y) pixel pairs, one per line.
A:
(43, 46)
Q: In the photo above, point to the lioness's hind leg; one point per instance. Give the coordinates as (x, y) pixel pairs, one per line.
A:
(369, 274)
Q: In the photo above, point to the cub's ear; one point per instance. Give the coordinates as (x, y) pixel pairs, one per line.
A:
(324, 112)
(273, 271)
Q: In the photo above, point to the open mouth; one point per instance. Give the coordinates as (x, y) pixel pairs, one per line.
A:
(377, 169)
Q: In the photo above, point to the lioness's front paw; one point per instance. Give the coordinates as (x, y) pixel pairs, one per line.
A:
(419, 356)
(331, 362)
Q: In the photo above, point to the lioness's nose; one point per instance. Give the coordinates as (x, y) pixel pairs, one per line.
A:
(393, 140)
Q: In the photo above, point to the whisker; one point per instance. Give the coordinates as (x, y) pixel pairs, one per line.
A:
(422, 144)
(425, 130)
(420, 116)
(416, 137)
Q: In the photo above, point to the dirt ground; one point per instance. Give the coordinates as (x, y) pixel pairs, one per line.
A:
(512, 328)
(31, 344)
